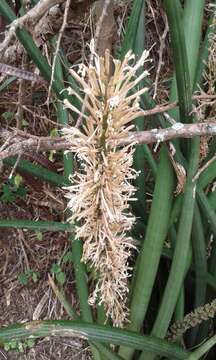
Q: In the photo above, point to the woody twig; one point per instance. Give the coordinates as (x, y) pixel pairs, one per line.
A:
(19, 142)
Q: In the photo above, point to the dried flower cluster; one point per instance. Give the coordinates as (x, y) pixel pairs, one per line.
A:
(200, 314)
(101, 190)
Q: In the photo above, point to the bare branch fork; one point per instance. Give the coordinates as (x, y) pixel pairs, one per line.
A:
(30, 18)
(18, 142)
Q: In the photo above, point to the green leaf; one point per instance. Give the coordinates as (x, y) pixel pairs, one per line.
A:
(54, 132)
(8, 115)
(197, 354)
(68, 257)
(7, 195)
(6, 83)
(13, 344)
(149, 257)
(12, 190)
(38, 171)
(18, 180)
(23, 278)
(174, 14)
(20, 347)
(39, 235)
(7, 346)
(25, 123)
(61, 277)
(91, 332)
(56, 268)
(21, 192)
(131, 28)
(38, 225)
(35, 276)
(30, 343)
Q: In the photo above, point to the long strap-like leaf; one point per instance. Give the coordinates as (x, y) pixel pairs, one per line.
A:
(102, 334)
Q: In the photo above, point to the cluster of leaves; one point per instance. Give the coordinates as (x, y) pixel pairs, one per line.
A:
(56, 269)
(27, 276)
(19, 346)
(12, 190)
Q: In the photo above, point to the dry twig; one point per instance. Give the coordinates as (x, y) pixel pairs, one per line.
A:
(30, 18)
(23, 142)
(160, 61)
(20, 73)
(207, 164)
(64, 24)
(97, 36)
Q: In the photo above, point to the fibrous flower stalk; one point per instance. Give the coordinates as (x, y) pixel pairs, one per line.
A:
(102, 188)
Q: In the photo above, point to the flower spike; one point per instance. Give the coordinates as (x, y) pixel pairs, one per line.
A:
(102, 189)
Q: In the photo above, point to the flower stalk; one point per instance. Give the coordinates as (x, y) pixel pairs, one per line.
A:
(102, 188)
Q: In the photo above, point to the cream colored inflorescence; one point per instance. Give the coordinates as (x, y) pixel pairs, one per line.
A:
(102, 188)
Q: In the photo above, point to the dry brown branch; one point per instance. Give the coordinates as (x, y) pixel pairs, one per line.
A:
(21, 142)
(21, 95)
(178, 130)
(160, 62)
(106, 26)
(20, 73)
(209, 162)
(169, 106)
(64, 24)
(179, 170)
(30, 18)
(36, 13)
(162, 39)
(104, 35)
